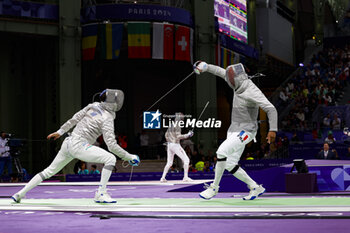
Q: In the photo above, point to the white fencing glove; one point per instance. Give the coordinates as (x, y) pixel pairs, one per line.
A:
(190, 133)
(135, 161)
(200, 67)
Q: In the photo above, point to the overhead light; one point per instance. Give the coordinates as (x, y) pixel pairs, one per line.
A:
(301, 64)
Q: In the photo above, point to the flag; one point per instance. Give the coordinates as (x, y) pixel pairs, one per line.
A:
(226, 57)
(183, 43)
(163, 41)
(89, 34)
(110, 39)
(139, 40)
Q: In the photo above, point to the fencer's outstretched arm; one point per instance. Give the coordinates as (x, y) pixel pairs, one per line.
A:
(202, 66)
(258, 97)
(73, 121)
(217, 70)
(111, 142)
(185, 136)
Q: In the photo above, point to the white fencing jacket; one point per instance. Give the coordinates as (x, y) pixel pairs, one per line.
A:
(245, 105)
(92, 121)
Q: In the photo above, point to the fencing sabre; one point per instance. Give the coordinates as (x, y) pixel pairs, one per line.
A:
(257, 75)
(169, 91)
(200, 115)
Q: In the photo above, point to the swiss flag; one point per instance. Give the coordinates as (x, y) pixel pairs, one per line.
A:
(183, 43)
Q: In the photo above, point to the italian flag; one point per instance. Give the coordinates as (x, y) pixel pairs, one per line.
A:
(139, 40)
(163, 41)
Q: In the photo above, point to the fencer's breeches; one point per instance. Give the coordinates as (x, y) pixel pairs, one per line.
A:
(175, 148)
(77, 148)
(232, 148)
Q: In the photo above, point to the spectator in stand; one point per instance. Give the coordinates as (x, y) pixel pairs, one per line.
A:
(249, 156)
(122, 140)
(206, 166)
(283, 96)
(285, 142)
(82, 169)
(195, 157)
(295, 139)
(300, 115)
(327, 99)
(173, 169)
(327, 121)
(290, 86)
(279, 142)
(5, 156)
(346, 72)
(330, 139)
(326, 153)
(94, 170)
(199, 166)
(144, 142)
(213, 163)
(305, 91)
(336, 123)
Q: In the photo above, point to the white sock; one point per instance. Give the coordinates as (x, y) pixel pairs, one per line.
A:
(105, 175)
(36, 180)
(243, 176)
(186, 170)
(219, 171)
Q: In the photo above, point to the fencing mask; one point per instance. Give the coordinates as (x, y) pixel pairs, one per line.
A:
(235, 75)
(113, 99)
(179, 116)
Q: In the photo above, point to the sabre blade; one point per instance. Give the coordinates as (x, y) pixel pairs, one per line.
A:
(205, 107)
(200, 115)
(169, 91)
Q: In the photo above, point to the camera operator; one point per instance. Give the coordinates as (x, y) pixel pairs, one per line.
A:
(5, 156)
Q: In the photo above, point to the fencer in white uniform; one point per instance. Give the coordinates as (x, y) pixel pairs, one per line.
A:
(173, 136)
(92, 121)
(245, 108)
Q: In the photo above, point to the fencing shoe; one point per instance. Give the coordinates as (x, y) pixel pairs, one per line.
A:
(254, 193)
(163, 180)
(211, 191)
(187, 179)
(17, 198)
(103, 197)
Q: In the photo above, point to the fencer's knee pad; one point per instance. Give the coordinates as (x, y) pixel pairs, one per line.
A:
(233, 170)
(110, 164)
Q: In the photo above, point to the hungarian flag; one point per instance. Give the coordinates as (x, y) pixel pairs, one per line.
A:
(89, 34)
(139, 40)
(183, 43)
(163, 41)
(110, 39)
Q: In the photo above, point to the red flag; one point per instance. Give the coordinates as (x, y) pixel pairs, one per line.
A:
(183, 45)
(163, 41)
(168, 41)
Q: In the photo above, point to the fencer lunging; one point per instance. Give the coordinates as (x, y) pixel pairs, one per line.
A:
(92, 121)
(245, 108)
(173, 136)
